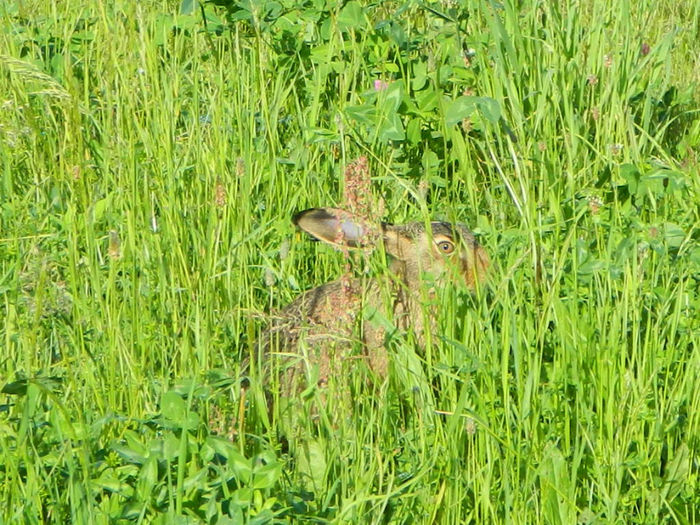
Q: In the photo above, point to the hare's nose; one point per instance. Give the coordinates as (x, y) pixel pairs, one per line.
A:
(475, 267)
(468, 274)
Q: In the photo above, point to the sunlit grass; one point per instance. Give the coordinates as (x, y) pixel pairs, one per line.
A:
(149, 171)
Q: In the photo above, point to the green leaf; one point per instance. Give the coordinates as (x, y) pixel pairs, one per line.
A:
(312, 462)
(99, 208)
(392, 97)
(695, 256)
(376, 317)
(110, 482)
(673, 235)
(591, 266)
(630, 174)
(392, 128)
(163, 29)
(16, 388)
(133, 451)
(263, 518)
(216, 445)
(463, 107)
(364, 114)
(427, 101)
(677, 181)
(351, 16)
(398, 35)
(148, 477)
(420, 76)
(196, 480)
(187, 7)
(677, 472)
(413, 131)
(489, 108)
(459, 109)
(242, 497)
(430, 162)
(241, 466)
(267, 476)
(173, 407)
(171, 447)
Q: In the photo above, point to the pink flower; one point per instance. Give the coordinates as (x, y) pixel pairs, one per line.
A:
(380, 85)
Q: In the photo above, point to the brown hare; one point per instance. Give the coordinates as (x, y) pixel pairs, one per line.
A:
(318, 328)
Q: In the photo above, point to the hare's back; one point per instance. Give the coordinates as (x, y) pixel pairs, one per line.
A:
(331, 307)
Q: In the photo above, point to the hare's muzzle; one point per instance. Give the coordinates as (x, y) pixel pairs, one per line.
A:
(475, 266)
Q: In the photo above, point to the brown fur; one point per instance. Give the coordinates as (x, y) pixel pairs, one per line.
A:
(324, 321)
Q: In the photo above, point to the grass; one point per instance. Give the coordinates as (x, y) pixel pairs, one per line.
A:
(149, 167)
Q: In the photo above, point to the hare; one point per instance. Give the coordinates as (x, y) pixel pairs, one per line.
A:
(323, 321)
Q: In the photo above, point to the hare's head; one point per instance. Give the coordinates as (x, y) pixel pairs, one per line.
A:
(443, 250)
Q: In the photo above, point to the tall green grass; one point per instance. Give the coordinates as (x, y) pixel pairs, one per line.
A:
(150, 163)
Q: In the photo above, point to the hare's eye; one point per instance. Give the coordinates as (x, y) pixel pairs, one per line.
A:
(446, 247)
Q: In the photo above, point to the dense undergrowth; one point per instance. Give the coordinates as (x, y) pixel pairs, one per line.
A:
(151, 156)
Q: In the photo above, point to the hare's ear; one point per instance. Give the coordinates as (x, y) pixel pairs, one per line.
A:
(396, 243)
(336, 227)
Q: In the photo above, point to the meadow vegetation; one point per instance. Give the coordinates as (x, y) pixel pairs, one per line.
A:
(152, 154)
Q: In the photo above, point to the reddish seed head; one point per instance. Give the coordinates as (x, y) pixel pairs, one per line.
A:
(219, 194)
(358, 187)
